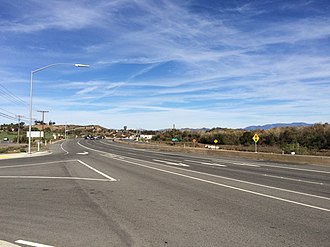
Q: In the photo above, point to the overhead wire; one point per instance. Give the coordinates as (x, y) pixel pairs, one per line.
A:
(7, 111)
(10, 96)
(4, 115)
(11, 115)
(15, 117)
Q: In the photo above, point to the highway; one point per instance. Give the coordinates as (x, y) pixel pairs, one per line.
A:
(104, 193)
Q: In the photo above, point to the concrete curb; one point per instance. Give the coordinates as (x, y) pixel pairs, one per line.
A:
(7, 244)
(23, 155)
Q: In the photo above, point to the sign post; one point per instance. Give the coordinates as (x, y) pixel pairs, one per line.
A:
(194, 141)
(215, 142)
(255, 138)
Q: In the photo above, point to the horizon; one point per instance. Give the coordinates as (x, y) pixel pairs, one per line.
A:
(158, 63)
(247, 128)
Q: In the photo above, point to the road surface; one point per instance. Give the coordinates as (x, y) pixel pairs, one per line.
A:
(103, 193)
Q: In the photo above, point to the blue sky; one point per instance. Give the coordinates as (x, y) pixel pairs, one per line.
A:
(158, 63)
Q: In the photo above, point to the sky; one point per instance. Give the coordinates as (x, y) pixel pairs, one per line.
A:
(198, 63)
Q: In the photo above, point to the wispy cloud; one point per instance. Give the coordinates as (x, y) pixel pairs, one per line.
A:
(61, 15)
(182, 59)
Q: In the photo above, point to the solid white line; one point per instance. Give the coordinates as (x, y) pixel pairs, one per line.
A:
(293, 179)
(298, 169)
(206, 163)
(231, 187)
(244, 164)
(171, 163)
(213, 164)
(66, 152)
(236, 180)
(31, 243)
(65, 178)
(281, 167)
(97, 171)
(38, 164)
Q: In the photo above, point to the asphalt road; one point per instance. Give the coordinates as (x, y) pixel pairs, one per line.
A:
(102, 193)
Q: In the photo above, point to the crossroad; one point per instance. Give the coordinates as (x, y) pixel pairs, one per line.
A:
(113, 194)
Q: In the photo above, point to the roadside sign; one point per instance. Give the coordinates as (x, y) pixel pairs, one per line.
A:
(216, 141)
(35, 134)
(194, 141)
(255, 138)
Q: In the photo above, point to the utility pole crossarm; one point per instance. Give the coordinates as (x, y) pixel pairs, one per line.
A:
(43, 119)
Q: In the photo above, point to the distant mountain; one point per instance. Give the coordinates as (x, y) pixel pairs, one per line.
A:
(270, 126)
(187, 129)
(195, 130)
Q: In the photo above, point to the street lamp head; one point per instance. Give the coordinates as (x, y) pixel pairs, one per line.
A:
(81, 65)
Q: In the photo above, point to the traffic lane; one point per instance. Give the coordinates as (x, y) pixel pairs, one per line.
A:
(300, 198)
(70, 147)
(315, 183)
(116, 145)
(281, 178)
(295, 172)
(57, 213)
(160, 207)
(46, 203)
(101, 191)
(223, 160)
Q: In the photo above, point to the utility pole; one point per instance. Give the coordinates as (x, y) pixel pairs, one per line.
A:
(19, 124)
(43, 118)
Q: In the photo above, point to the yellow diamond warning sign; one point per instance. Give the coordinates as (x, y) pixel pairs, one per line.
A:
(255, 138)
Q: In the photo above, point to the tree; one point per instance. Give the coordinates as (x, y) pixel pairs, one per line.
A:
(246, 138)
(270, 139)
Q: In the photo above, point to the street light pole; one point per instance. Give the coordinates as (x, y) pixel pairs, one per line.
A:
(31, 82)
(30, 116)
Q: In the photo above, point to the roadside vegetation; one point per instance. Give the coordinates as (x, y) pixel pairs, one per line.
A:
(312, 140)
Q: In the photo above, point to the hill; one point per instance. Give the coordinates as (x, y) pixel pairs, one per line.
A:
(276, 125)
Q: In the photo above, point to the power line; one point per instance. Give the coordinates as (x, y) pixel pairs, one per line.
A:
(7, 111)
(12, 116)
(11, 97)
(4, 115)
